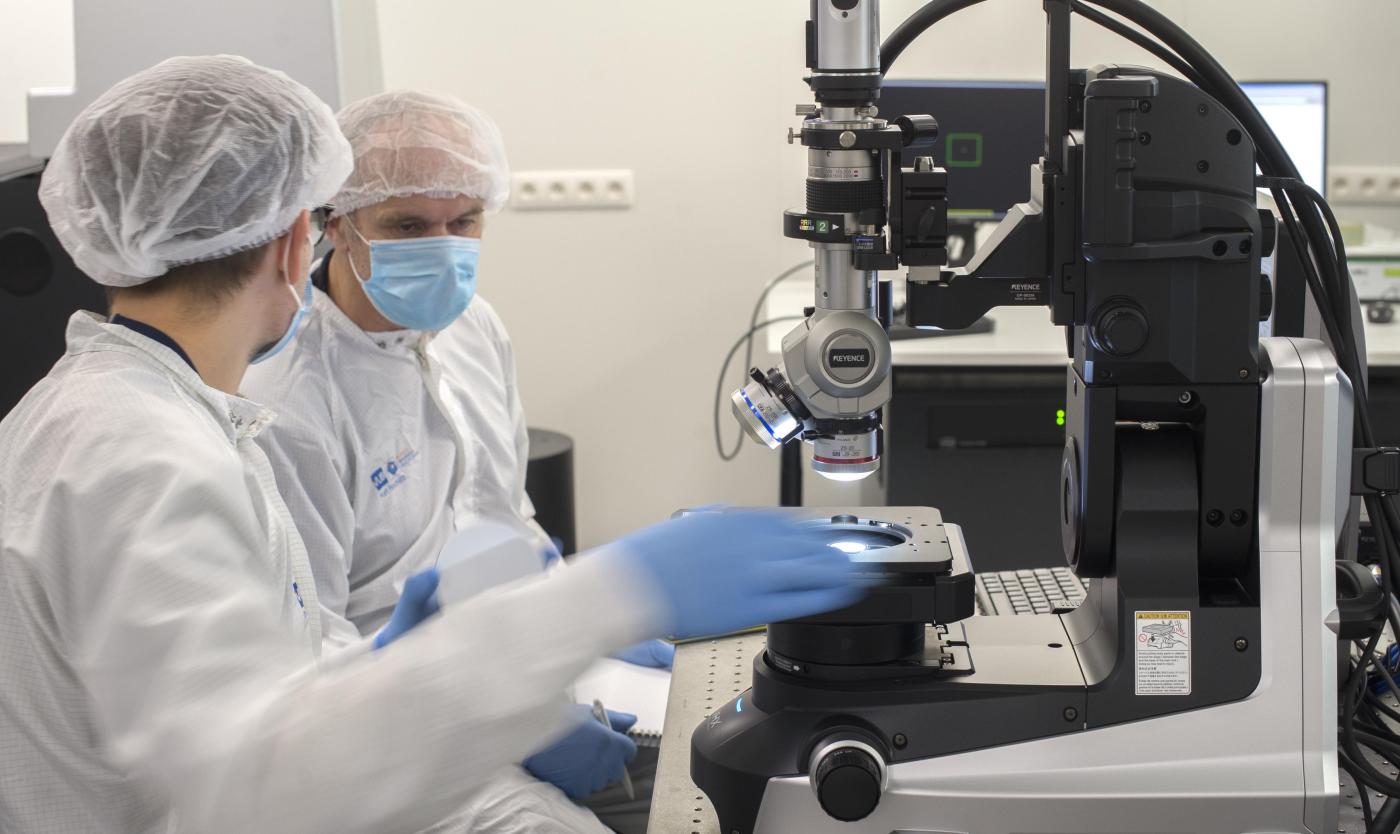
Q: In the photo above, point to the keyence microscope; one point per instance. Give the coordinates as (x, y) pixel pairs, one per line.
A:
(1206, 476)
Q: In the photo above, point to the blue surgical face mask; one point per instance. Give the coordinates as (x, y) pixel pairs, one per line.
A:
(303, 307)
(421, 283)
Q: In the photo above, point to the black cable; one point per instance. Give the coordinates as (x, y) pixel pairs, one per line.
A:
(1353, 739)
(1350, 769)
(1340, 290)
(1387, 818)
(1385, 709)
(1126, 32)
(748, 357)
(916, 24)
(724, 369)
(1310, 271)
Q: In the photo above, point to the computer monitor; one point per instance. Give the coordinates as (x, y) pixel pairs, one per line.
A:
(1297, 111)
(991, 132)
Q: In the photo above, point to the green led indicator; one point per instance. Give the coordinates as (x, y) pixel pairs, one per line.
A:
(1060, 417)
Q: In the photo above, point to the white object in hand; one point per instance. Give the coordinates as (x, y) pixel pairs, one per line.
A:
(481, 556)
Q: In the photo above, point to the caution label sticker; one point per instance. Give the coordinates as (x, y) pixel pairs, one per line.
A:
(1163, 646)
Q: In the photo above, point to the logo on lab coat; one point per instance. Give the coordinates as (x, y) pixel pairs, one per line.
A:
(388, 477)
(301, 603)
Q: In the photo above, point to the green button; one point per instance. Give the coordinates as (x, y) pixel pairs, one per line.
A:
(823, 227)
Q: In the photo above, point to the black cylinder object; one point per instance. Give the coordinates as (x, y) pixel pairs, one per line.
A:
(845, 645)
(837, 196)
(848, 784)
(549, 481)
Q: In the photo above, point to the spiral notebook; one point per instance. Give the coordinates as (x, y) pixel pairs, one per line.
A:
(623, 687)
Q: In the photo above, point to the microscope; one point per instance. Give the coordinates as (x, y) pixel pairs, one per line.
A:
(1205, 479)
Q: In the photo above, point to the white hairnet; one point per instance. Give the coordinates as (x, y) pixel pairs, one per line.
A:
(188, 161)
(410, 143)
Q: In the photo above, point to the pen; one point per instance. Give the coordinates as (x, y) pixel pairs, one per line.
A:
(602, 715)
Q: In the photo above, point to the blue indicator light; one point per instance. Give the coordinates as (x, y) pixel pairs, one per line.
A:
(750, 404)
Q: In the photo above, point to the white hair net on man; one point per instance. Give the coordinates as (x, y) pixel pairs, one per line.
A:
(188, 161)
(408, 143)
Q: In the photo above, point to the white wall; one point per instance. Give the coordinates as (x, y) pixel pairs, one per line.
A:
(620, 319)
(36, 50)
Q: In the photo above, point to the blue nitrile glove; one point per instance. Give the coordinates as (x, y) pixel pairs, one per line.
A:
(654, 654)
(590, 757)
(721, 571)
(417, 603)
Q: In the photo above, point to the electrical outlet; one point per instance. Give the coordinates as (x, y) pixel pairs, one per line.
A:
(1371, 185)
(545, 190)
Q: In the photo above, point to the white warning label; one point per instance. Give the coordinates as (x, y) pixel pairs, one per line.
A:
(1163, 665)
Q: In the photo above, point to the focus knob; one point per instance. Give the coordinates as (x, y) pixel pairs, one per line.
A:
(918, 132)
(848, 778)
(1121, 330)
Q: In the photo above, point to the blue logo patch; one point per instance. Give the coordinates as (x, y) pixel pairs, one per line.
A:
(388, 477)
(301, 603)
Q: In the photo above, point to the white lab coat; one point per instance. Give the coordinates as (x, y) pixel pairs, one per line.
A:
(159, 631)
(388, 443)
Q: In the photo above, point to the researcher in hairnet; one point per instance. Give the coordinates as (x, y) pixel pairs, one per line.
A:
(400, 417)
(160, 630)
(401, 423)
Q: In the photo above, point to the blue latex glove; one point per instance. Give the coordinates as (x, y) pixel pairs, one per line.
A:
(589, 758)
(417, 603)
(720, 572)
(654, 654)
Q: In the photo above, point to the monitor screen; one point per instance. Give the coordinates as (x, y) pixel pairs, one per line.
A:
(1297, 111)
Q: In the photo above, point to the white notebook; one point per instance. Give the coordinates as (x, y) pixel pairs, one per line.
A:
(624, 687)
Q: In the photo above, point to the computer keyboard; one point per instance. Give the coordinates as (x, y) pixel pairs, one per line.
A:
(1038, 591)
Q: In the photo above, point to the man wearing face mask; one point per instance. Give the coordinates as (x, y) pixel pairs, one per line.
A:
(403, 423)
(384, 450)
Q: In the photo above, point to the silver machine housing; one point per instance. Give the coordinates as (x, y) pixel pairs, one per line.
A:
(1267, 763)
(844, 318)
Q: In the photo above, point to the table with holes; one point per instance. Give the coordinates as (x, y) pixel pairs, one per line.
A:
(708, 675)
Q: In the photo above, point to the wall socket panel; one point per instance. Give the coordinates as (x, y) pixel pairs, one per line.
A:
(568, 190)
(1371, 185)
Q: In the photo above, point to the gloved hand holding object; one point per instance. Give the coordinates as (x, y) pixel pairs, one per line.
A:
(590, 757)
(717, 572)
(653, 654)
(417, 603)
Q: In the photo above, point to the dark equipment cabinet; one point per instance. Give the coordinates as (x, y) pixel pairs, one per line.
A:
(983, 445)
(40, 288)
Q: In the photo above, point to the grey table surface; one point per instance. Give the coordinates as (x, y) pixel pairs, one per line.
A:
(706, 676)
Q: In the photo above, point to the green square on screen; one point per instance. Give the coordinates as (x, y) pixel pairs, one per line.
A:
(963, 150)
